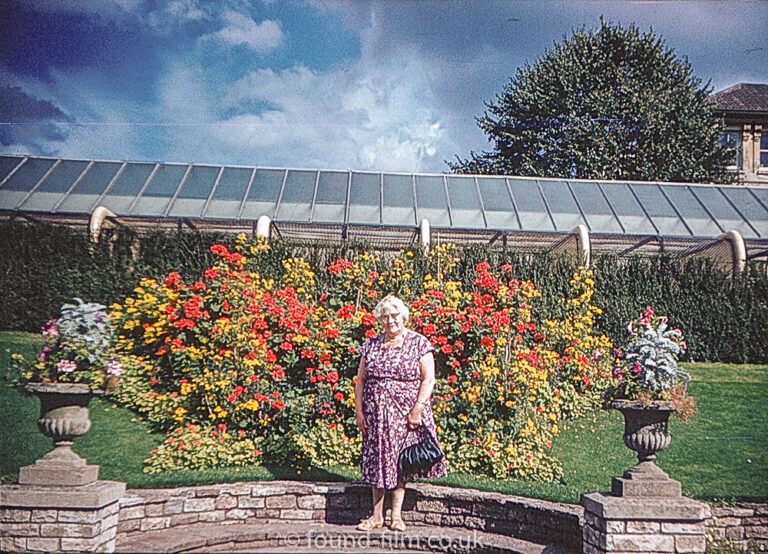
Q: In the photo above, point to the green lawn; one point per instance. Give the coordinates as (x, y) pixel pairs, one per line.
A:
(720, 455)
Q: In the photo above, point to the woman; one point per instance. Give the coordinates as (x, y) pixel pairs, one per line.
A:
(394, 383)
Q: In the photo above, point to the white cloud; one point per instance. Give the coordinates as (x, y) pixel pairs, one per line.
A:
(174, 14)
(357, 117)
(241, 29)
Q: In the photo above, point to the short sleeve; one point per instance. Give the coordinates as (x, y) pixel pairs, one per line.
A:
(423, 347)
(365, 348)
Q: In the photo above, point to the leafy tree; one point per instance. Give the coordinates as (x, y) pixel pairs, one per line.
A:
(608, 103)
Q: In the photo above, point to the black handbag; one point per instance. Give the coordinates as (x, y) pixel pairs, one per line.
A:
(419, 457)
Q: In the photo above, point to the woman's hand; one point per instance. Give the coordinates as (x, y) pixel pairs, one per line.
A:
(360, 420)
(414, 418)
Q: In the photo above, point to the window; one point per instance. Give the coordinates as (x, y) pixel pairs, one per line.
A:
(732, 139)
(764, 148)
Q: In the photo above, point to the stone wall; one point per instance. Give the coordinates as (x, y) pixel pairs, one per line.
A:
(744, 526)
(58, 530)
(343, 503)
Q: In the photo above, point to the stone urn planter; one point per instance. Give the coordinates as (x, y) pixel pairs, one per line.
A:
(63, 417)
(646, 432)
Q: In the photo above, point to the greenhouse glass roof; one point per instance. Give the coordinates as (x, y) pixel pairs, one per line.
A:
(203, 194)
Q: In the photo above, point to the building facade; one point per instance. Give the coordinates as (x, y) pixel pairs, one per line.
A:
(744, 107)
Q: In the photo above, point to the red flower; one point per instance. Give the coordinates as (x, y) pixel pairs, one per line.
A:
(506, 268)
(339, 396)
(278, 404)
(452, 378)
(447, 349)
(370, 333)
(483, 266)
(308, 353)
(271, 357)
(210, 274)
(429, 329)
(332, 333)
(332, 376)
(279, 373)
(184, 324)
(173, 279)
(231, 397)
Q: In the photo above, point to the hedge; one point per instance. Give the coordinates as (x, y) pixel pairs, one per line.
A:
(43, 266)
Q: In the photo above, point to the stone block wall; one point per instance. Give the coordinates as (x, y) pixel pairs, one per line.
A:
(58, 530)
(344, 503)
(744, 526)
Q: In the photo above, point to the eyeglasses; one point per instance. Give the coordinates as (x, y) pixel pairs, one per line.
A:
(389, 316)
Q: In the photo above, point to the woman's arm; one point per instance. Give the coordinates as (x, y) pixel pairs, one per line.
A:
(427, 374)
(359, 417)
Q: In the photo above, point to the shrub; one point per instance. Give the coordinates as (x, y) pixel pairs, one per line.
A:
(273, 359)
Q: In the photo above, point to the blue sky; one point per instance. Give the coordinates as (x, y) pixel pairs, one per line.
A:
(388, 85)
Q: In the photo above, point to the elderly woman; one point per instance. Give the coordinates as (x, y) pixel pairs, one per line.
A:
(392, 408)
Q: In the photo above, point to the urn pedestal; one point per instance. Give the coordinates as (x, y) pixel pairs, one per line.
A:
(646, 431)
(63, 417)
(645, 510)
(58, 504)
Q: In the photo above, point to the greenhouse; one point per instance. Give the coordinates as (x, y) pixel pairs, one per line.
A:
(392, 209)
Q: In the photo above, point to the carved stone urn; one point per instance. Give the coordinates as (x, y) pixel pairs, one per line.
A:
(646, 432)
(63, 417)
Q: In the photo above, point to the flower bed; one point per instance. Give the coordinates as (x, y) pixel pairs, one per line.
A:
(241, 367)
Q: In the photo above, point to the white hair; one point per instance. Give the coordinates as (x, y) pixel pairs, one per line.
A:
(396, 303)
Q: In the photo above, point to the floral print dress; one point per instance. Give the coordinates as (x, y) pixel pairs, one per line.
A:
(392, 380)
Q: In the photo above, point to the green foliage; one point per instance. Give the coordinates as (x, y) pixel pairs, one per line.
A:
(607, 103)
(44, 266)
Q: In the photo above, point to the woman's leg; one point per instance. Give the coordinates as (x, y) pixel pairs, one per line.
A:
(378, 504)
(397, 506)
(377, 519)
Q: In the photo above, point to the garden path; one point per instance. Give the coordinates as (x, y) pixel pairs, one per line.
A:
(318, 537)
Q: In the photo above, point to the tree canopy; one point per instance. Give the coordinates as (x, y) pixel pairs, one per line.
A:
(608, 103)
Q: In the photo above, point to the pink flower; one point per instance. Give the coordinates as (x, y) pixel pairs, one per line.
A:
(66, 366)
(114, 368)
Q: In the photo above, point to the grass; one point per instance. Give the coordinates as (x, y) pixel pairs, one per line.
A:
(721, 455)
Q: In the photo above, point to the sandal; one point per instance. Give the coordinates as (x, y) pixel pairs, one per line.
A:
(368, 524)
(397, 525)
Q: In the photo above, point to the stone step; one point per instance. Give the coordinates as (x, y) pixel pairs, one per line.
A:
(318, 537)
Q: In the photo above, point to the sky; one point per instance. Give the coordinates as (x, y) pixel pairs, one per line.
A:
(333, 84)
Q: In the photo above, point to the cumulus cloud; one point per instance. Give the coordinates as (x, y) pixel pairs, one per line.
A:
(356, 117)
(176, 13)
(242, 29)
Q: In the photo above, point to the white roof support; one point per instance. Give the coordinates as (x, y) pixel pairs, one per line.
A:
(424, 233)
(576, 242)
(738, 250)
(98, 215)
(263, 227)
